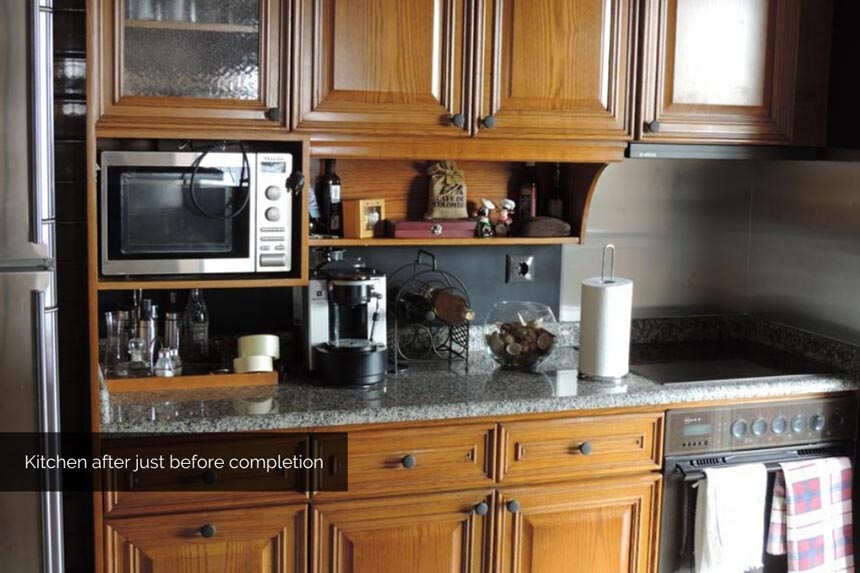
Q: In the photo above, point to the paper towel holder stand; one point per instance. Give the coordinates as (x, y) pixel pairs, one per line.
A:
(608, 248)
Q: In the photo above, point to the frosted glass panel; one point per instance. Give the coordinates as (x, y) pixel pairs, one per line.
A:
(720, 52)
(192, 48)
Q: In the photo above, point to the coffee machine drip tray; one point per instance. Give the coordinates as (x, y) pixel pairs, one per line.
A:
(352, 345)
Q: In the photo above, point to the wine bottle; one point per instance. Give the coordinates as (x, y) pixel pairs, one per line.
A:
(327, 190)
(449, 307)
(527, 199)
(195, 328)
(555, 205)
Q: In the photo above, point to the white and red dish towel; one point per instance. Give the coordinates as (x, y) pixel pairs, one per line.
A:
(810, 518)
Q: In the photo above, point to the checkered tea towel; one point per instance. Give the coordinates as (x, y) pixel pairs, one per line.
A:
(811, 518)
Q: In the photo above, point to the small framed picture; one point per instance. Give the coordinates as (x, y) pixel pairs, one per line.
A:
(363, 218)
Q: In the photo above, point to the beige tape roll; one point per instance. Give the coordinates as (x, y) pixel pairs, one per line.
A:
(260, 345)
(252, 364)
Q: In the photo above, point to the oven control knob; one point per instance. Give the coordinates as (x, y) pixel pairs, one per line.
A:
(816, 422)
(798, 424)
(759, 427)
(273, 214)
(779, 425)
(273, 192)
(739, 428)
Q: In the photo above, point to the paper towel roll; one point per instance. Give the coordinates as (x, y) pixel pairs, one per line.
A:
(604, 328)
(245, 364)
(260, 345)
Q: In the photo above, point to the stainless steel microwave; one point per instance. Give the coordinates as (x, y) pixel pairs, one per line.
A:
(170, 213)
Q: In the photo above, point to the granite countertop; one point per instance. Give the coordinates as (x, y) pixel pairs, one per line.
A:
(423, 393)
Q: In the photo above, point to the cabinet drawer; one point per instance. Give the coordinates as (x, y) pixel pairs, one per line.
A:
(264, 540)
(546, 450)
(413, 459)
(160, 491)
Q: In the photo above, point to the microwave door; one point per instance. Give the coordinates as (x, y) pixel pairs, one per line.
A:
(152, 224)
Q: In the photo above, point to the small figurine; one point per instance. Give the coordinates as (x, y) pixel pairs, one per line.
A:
(484, 229)
(503, 224)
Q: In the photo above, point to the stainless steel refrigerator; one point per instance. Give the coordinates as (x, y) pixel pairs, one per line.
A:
(30, 522)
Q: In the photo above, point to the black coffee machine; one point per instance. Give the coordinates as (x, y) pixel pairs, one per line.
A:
(344, 324)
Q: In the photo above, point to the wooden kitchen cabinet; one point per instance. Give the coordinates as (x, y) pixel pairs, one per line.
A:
(387, 66)
(557, 68)
(186, 64)
(735, 71)
(264, 540)
(587, 526)
(422, 533)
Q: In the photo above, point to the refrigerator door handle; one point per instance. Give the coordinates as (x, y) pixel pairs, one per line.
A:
(42, 207)
(45, 344)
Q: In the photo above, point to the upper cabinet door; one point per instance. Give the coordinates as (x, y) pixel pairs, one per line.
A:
(556, 68)
(383, 66)
(192, 62)
(735, 70)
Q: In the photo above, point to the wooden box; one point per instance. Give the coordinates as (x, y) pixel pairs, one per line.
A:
(363, 218)
(439, 229)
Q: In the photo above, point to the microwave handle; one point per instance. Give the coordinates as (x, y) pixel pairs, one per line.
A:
(296, 183)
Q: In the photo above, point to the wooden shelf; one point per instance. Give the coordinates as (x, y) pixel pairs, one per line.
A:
(151, 384)
(182, 26)
(491, 242)
(104, 285)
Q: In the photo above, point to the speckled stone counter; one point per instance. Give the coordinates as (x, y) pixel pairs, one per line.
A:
(443, 393)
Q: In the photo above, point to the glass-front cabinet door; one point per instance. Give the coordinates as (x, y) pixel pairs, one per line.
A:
(192, 61)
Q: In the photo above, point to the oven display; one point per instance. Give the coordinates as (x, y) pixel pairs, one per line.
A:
(697, 430)
(273, 167)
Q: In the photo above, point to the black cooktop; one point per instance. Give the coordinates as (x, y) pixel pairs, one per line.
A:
(718, 361)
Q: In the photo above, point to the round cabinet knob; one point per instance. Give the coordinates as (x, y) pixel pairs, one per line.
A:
(585, 448)
(273, 114)
(482, 508)
(779, 425)
(209, 477)
(739, 428)
(408, 462)
(513, 506)
(207, 530)
(816, 422)
(759, 427)
(273, 192)
(458, 120)
(273, 214)
(489, 122)
(798, 424)
(653, 126)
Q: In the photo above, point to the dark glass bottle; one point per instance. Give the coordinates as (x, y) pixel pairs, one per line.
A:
(528, 196)
(327, 190)
(555, 203)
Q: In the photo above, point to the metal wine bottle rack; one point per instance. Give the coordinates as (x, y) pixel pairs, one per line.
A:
(424, 341)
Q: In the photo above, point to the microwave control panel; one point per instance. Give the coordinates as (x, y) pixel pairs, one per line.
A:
(759, 425)
(274, 214)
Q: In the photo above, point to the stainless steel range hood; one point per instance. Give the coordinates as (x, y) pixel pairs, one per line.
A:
(748, 152)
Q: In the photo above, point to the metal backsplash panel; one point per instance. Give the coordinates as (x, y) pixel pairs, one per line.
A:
(805, 246)
(681, 229)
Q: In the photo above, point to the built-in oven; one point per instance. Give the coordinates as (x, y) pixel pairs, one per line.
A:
(187, 213)
(767, 433)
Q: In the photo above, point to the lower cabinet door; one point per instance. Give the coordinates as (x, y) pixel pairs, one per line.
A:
(433, 533)
(271, 539)
(586, 526)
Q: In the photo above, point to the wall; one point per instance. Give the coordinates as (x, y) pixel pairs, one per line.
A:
(805, 246)
(681, 232)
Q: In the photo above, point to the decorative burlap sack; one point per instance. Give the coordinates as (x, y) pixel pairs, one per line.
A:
(447, 194)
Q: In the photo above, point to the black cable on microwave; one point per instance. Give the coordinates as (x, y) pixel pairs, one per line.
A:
(244, 181)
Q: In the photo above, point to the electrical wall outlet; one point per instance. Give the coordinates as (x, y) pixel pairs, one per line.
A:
(519, 268)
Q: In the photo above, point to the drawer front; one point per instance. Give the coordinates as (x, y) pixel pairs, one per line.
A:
(547, 450)
(160, 491)
(410, 460)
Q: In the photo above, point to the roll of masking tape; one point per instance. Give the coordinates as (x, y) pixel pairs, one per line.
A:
(260, 345)
(252, 364)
